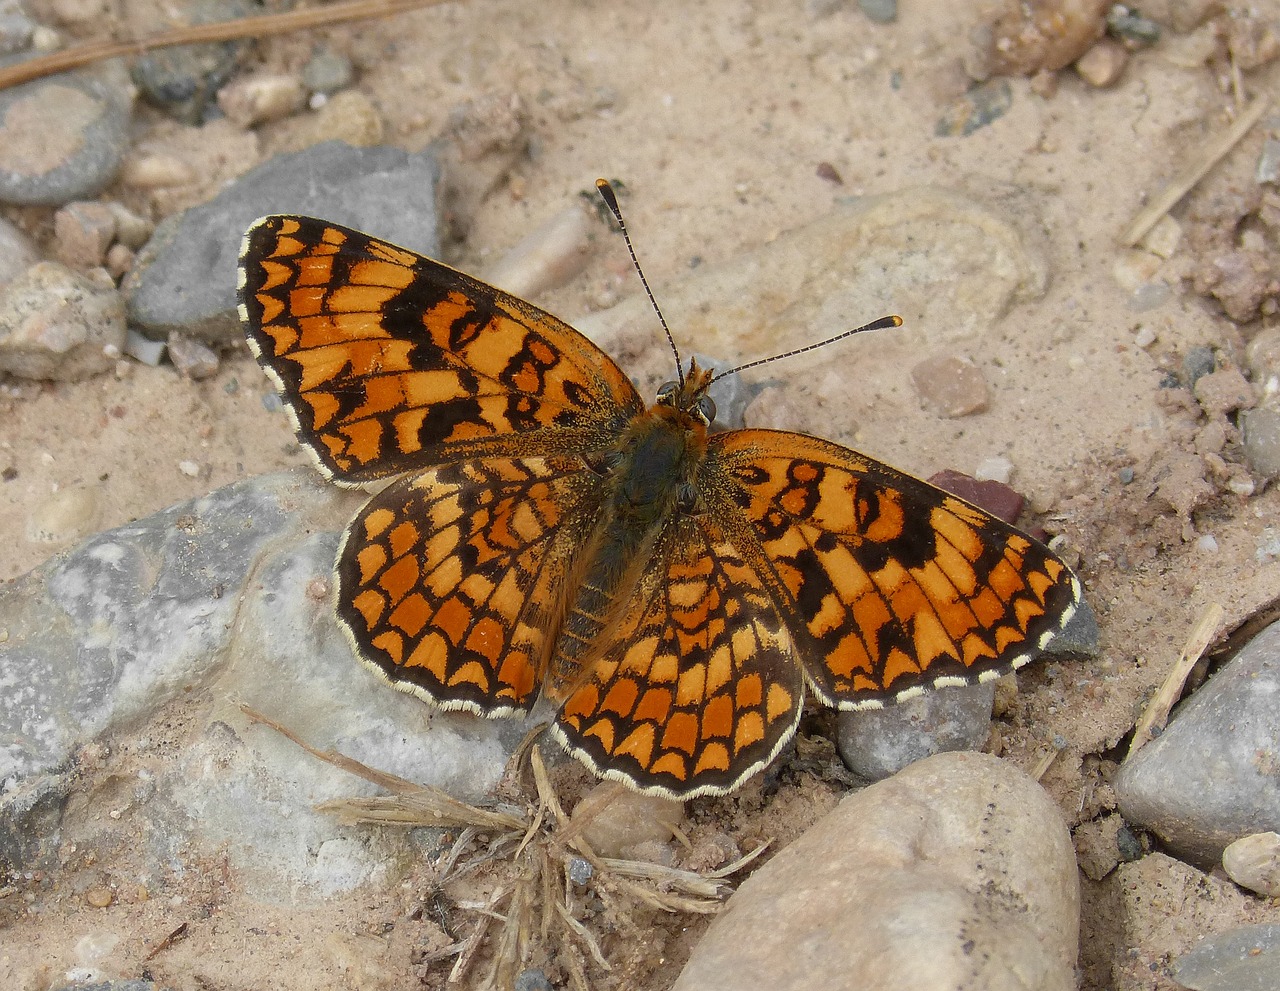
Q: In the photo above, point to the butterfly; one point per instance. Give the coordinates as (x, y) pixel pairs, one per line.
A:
(675, 593)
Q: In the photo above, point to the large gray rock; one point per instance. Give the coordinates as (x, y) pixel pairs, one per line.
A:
(215, 602)
(185, 277)
(956, 874)
(1213, 775)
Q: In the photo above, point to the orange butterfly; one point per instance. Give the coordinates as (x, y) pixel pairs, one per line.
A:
(674, 592)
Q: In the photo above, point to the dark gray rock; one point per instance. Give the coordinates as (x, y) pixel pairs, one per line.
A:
(875, 743)
(1213, 775)
(1246, 959)
(185, 278)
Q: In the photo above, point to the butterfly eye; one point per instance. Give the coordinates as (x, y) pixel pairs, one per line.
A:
(706, 409)
(667, 390)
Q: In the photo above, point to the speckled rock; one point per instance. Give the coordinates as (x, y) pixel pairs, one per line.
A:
(59, 324)
(229, 593)
(956, 874)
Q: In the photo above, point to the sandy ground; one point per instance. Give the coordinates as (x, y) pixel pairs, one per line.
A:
(722, 118)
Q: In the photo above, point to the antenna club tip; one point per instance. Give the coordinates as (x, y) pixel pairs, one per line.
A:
(607, 193)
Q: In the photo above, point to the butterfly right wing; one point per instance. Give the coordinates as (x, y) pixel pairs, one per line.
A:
(389, 361)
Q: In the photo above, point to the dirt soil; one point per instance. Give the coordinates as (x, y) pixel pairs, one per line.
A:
(731, 121)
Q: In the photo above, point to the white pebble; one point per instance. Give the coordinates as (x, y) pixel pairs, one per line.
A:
(189, 468)
(1207, 543)
(995, 469)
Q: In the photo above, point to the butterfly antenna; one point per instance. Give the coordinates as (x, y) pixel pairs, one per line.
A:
(611, 201)
(884, 323)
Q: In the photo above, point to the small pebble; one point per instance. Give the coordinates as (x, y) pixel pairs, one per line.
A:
(532, 980)
(254, 100)
(880, 11)
(1145, 337)
(99, 897)
(980, 106)
(17, 251)
(1132, 27)
(192, 359)
(83, 231)
(994, 469)
(16, 30)
(1163, 239)
(144, 349)
(1260, 430)
(1197, 362)
(580, 870)
(1253, 862)
(327, 72)
(119, 261)
(189, 468)
(1102, 65)
(1206, 543)
(950, 386)
(157, 172)
(1269, 161)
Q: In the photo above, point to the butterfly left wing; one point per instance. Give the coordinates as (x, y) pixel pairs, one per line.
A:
(390, 361)
(890, 585)
(697, 687)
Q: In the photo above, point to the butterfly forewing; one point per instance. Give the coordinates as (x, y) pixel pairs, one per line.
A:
(390, 361)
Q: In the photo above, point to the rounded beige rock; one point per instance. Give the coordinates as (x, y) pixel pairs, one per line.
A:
(957, 873)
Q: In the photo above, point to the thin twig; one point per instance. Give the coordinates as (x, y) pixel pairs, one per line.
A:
(244, 27)
(1157, 711)
(1186, 180)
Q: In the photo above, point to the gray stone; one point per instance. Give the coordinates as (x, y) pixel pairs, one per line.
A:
(1260, 437)
(59, 324)
(1245, 959)
(875, 743)
(185, 278)
(184, 79)
(880, 11)
(955, 874)
(63, 138)
(327, 72)
(1212, 775)
(230, 591)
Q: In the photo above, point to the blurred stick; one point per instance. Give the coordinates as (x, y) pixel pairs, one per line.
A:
(1183, 183)
(1157, 711)
(245, 27)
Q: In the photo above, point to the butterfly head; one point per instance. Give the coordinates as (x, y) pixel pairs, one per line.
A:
(689, 395)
